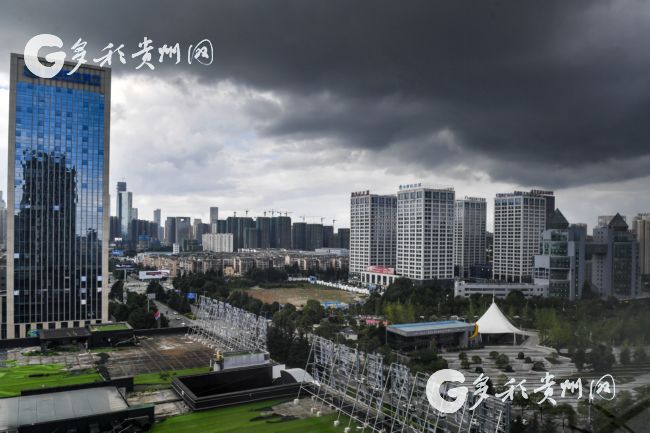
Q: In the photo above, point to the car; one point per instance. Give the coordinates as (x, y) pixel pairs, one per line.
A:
(175, 313)
(182, 323)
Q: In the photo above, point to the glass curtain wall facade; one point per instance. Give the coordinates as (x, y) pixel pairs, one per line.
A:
(58, 199)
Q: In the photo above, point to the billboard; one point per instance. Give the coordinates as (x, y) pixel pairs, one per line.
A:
(117, 253)
(380, 270)
(153, 275)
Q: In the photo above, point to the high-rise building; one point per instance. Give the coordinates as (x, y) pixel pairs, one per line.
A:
(263, 225)
(425, 232)
(199, 228)
(615, 260)
(183, 228)
(222, 226)
(299, 236)
(604, 220)
(237, 226)
(519, 220)
(342, 238)
(251, 237)
(281, 232)
(469, 234)
(641, 227)
(157, 218)
(560, 264)
(114, 228)
(372, 236)
(328, 236)
(124, 211)
(170, 231)
(218, 242)
(214, 219)
(58, 227)
(3, 223)
(313, 237)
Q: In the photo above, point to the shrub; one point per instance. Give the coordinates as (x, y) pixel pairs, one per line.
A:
(477, 359)
(520, 355)
(462, 356)
(494, 354)
(464, 364)
(478, 370)
(508, 369)
(538, 366)
(528, 360)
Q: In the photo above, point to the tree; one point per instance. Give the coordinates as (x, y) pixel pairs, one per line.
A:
(640, 355)
(312, 313)
(625, 356)
(601, 358)
(117, 290)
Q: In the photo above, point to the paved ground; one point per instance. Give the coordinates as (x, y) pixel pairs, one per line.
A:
(159, 353)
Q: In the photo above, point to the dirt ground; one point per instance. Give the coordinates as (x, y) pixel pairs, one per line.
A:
(300, 296)
(159, 353)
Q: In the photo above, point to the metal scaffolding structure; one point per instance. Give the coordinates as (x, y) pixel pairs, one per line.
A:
(220, 325)
(379, 399)
(361, 389)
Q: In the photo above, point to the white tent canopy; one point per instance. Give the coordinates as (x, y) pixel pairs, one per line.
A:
(495, 322)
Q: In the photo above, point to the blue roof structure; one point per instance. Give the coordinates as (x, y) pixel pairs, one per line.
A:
(430, 328)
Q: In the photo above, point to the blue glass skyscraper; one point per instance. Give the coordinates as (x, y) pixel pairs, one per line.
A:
(58, 202)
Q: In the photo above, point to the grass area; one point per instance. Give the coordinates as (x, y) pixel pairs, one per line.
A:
(107, 327)
(15, 379)
(246, 418)
(165, 377)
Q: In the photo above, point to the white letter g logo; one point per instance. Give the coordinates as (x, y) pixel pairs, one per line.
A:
(433, 391)
(31, 55)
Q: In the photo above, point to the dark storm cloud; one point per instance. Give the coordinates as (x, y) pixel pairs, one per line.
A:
(553, 93)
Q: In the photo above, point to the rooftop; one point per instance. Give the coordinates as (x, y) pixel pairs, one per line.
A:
(107, 327)
(41, 408)
(426, 328)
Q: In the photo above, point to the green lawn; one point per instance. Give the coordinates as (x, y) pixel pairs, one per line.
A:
(18, 378)
(165, 377)
(246, 419)
(109, 327)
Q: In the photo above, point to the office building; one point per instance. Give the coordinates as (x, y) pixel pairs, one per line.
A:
(218, 242)
(115, 230)
(58, 227)
(469, 234)
(124, 211)
(214, 219)
(615, 269)
(560, 264)
(281, 232)
(170, 230)
(604, 220)
(425, 232)
(519, 219)
(222, 226)
(641, 228)
(199, 228)
(372, 236)
(183, 228)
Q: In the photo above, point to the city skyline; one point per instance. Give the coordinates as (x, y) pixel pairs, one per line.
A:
(261, 130)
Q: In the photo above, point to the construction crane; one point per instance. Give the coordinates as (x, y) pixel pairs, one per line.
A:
(246, 212)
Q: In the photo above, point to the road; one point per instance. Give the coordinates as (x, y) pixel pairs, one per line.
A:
(175, 318)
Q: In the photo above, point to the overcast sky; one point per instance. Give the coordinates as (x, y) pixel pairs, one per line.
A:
(307, 101)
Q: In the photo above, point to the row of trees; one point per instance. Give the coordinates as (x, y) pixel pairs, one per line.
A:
(134, 311)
